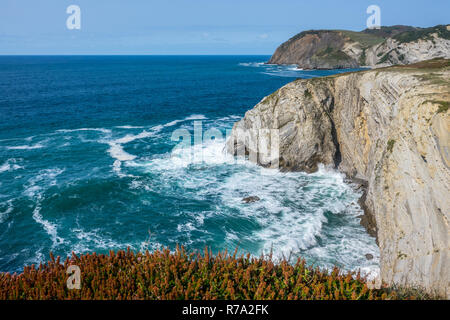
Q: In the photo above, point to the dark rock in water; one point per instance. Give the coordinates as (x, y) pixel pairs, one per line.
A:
(251, 199)
(369, 256)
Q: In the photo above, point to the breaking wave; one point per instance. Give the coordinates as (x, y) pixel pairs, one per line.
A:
(190, 196)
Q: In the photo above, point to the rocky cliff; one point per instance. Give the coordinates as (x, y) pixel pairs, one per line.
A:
(335, 49)
(387, 128)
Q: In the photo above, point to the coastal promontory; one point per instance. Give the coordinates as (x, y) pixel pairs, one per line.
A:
(387, 129)
(339, 49)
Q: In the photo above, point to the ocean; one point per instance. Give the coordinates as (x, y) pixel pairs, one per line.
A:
(91, 161)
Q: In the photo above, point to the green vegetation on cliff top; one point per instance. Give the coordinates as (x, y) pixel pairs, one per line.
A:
(370, 37)
(178, 275)
(425, 34)
(366, 39)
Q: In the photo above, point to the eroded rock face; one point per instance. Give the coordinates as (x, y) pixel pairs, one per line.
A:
(305, 130)
(389, 127)
(391, 52)
(315, 50)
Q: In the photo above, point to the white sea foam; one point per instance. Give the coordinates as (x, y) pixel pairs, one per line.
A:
(34, 190)
(26, 147)
(103, 130)
(228, 118)
(117, 167)
(36, 257)
(166, 125)
(131, 137)
(196, 117)
(50, 228)
(4, 214)
(10, 165)
(94, 239)
(186, 227)
(283, 228)
(291, 71)
(116, 151)
(150, 245)
(281, 73)
(251, 64)
(172, 123)
(291, 213)
(44, 179)
(275, 70)
(129, 127)
(293, 67)
(209, 153)
(15, 139)
(188, 118)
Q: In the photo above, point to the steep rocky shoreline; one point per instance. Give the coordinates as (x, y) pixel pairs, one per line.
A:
(389, 129)
(336, 49)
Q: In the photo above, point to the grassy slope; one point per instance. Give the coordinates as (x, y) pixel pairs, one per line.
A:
(426, 33)
(366, 39)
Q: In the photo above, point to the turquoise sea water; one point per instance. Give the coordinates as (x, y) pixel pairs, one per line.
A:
(88, 163)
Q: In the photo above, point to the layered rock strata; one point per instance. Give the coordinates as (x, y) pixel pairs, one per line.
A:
(386, 128)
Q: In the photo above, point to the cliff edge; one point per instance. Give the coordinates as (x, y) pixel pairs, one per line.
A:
(390, 129)
(387, 46)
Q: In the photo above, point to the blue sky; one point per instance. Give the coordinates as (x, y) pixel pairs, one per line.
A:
(191, 26)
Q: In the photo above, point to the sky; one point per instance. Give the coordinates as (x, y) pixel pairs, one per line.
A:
(162, 27)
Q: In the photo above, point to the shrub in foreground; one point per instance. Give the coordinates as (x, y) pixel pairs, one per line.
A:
(179, 275)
